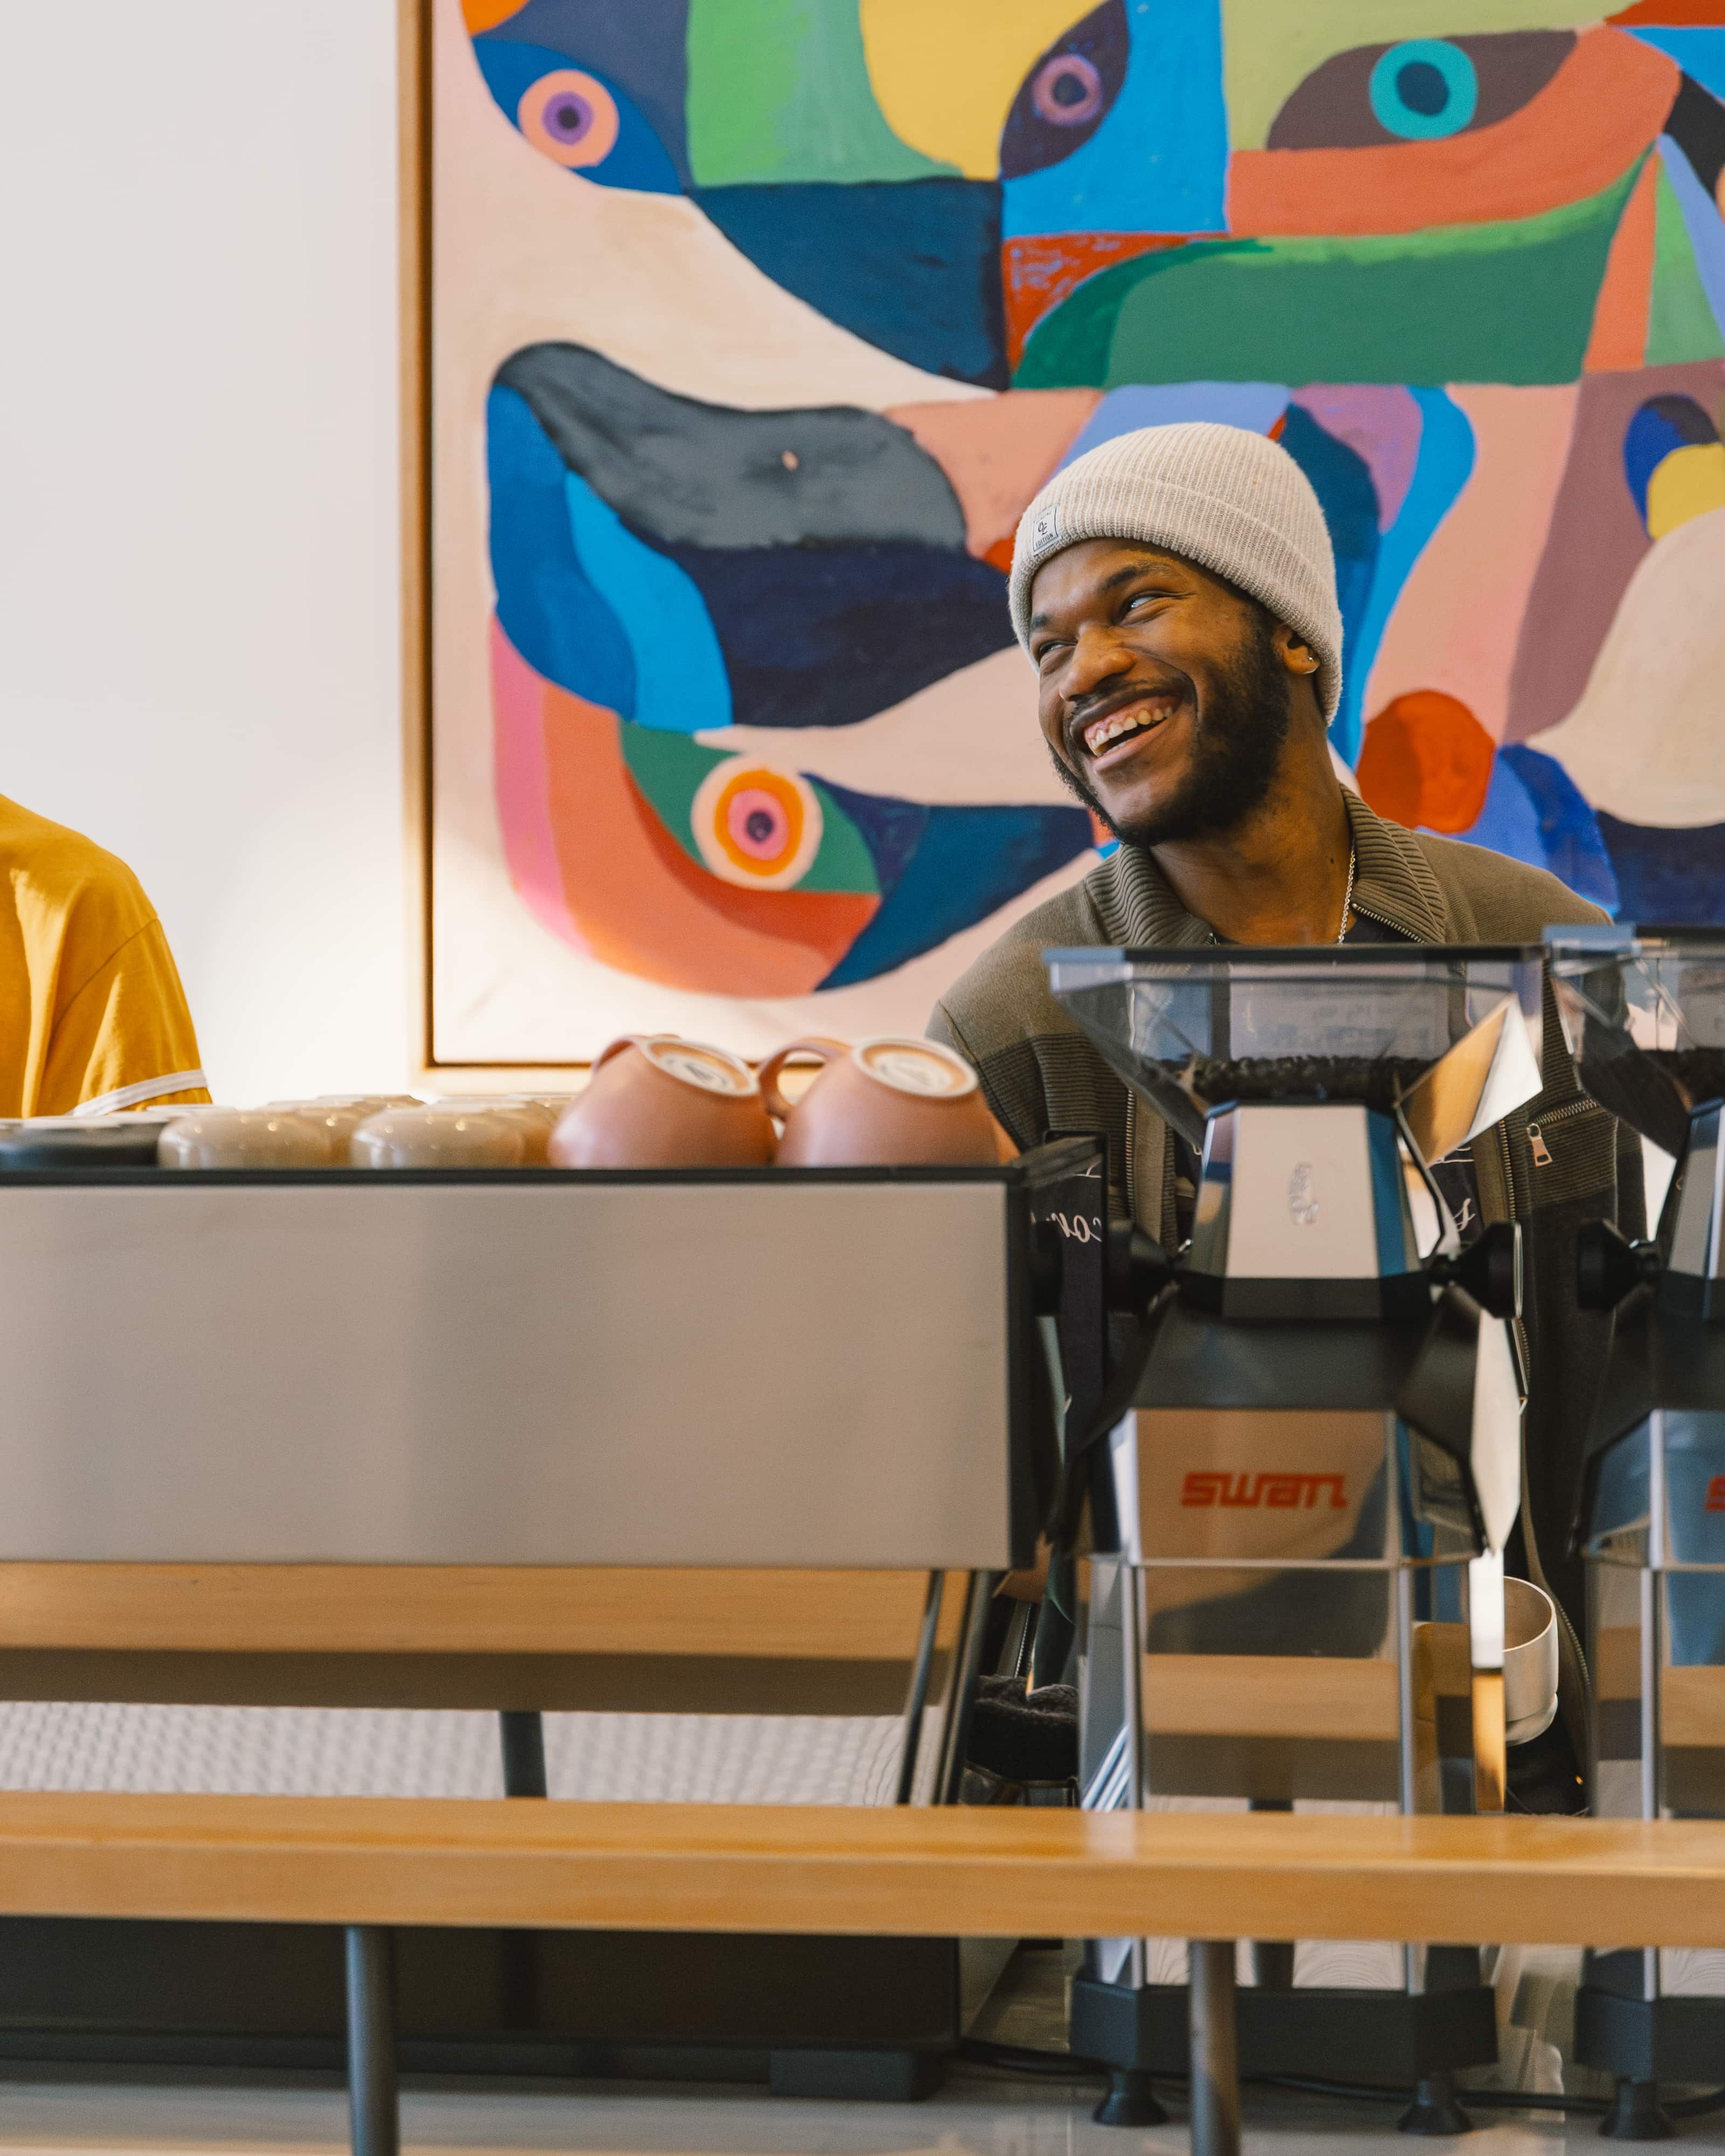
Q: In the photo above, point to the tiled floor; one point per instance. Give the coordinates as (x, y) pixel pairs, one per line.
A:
(979, 2113)
(975, 2115)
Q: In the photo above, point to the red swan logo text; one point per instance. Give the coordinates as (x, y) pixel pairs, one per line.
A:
(1277, 1493)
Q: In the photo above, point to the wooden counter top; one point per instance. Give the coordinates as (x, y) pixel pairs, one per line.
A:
(821, 1869)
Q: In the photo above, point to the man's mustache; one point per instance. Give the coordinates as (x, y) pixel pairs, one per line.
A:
(1082, 710)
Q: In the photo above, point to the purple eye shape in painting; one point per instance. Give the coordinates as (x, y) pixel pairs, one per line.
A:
(757, 822)
(569, 115)
(576, 118)
(1068, 94)
(1067, 91)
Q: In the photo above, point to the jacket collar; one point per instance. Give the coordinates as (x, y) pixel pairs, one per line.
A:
(1392, 883)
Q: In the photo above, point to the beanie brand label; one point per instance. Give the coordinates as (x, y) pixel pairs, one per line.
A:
(1046, 530)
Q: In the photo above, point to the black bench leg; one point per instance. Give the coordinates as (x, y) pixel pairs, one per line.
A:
(523, 1752)
(373, 2099)
(1215, 2049)
(1273, 1959)
(916, 1699)
(523, 1733)
(955, 1738)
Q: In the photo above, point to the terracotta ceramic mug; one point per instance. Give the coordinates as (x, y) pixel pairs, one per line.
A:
(654, 1100)
(893, 1102)
(247, 1137)
(441, 1134)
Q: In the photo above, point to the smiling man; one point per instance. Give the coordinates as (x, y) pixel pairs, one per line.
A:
(1175, 590)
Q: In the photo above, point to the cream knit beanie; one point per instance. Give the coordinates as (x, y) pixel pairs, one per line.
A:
(1233, 501)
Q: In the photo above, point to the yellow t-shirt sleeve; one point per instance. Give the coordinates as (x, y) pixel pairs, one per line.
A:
(125, 1036)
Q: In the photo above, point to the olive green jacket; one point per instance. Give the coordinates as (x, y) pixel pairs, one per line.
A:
(1039, 1073)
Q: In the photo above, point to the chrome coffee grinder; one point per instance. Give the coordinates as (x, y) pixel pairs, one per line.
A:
(1300, 1487)
(1644, 1016)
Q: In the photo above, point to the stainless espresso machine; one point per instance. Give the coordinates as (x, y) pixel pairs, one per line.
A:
(1300, 1487)
(1643, 1016)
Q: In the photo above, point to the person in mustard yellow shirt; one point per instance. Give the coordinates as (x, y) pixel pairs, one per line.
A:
(92, 1015)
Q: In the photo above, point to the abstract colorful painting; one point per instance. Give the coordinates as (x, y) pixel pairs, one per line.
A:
(755, 324)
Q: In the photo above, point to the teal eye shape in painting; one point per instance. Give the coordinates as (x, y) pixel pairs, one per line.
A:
(1424, 89)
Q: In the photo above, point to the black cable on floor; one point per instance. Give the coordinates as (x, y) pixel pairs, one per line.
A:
(1686, 2107)
(1021, 2059)
(1070, 2066)
(1486, 2098)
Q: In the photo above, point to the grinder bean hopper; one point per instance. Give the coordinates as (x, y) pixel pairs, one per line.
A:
(1301, 1485)
(1644, 1016)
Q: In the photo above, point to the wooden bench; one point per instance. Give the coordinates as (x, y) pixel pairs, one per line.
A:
(374, 1864)
(667, 1640)
(517, 1638)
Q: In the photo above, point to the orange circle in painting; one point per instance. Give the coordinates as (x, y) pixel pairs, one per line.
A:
(1427, 761)
(756, 826)
(482, 15)
(571, 116)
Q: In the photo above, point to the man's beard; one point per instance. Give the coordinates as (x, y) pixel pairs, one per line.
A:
(1236, 750)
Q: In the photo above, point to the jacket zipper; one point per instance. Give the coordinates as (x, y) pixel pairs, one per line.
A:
(1523, 1348)
(1536, 1131)
(1129, 1178)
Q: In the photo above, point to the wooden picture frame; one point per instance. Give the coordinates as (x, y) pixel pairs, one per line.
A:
(413, 185)
(415, 139)
(473, 944)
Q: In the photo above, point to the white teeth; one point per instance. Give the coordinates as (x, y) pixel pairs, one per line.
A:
(1097, 737)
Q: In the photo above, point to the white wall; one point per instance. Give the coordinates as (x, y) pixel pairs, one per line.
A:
(199, 547)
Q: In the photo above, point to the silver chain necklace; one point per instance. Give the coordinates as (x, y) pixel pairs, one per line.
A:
(1347, 902)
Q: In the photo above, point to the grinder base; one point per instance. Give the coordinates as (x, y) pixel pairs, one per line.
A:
(1666, 2040)
(1325, 2034)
